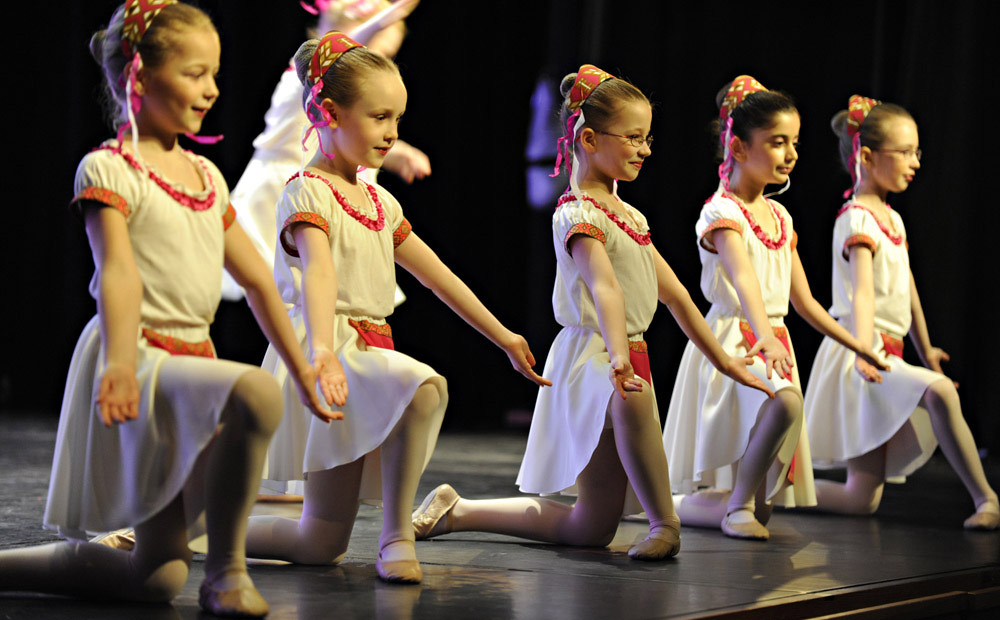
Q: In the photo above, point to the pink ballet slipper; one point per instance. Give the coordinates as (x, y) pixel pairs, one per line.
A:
(437, 504)
(241, 601)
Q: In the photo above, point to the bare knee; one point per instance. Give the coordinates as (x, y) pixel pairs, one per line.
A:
(256, 398)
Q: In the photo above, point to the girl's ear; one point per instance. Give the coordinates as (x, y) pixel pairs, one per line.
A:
(738, 148)
(588, 139)
(331, 110)
(140, 76)
(866, 156)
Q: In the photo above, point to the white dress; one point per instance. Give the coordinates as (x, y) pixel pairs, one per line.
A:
(571, 414)
(105, 478)
(846, 415)
(277, 156)
(381, 382)
(710, 415)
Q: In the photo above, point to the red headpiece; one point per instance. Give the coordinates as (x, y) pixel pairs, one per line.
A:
(858, 108)
(139, 15)
(739, 89)
(588, 78)
(332, 46)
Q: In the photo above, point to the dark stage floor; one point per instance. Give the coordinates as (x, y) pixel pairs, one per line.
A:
(911, 560)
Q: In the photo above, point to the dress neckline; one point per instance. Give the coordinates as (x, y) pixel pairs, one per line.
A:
(765, 238)
(196, 201)
(896, 239)
(640, 238)
(376, 224)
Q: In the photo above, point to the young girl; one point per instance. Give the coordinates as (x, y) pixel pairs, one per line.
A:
(719, 433)
(595, 433)
(278, 150)
(153, 429)
(339, 237)
(888, 430)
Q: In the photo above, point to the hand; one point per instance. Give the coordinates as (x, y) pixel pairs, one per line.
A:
(408, 162)
(872, 359)
(330, 376)
(623, 377)
(305, 382)
(775, 355)
(736, 368)
(522, 360)
(869, 372)
(118, 394)
(933, 358)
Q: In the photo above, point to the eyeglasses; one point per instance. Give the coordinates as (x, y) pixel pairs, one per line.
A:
(636, 140)
(906, 153)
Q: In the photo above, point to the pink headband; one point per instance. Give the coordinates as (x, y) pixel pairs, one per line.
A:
(588, 78)
(739, 89)
(858, 108)
(331, 47)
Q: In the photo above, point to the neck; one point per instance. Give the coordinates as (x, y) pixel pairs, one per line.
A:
(338, 166)
(747, 189)
(593, 181)
(871, 192)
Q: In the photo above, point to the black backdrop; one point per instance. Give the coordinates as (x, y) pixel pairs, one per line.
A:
(470, 80)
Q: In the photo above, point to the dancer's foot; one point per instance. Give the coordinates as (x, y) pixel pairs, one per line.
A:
(232, 594)
(427, 521)
(118, 539)
(986, 518)
(663, 541)
(742, 524)
(397, 563)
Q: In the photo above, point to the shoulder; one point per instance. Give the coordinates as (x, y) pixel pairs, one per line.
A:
(579, 217)
(719, 212)
(109, 177)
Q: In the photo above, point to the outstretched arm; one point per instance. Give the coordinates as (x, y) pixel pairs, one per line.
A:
(598, 273)
(737, 264)
(416, 257)
(863, 305)
(930, 355)
(677, 299)
(118, 298)
(407, 161)
(249, 270)
(817, 316)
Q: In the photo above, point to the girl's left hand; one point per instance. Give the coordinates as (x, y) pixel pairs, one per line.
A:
(408, 162)
(118, 394)
(736, 368)
(933, 358)
(865, 352)
(623, 377)
(330, 376)
(521, 358)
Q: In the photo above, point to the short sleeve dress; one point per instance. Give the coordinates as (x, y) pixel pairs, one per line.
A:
(570, 415)
(380, 380)
(846, 415)
(710, 415)
(108, 478)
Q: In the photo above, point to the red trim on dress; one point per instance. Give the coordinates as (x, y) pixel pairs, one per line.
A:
(401, 233)
(195, 204)
(584, 228)
(896, 239)
(176, 346)
(228, 217)
(641, 239)
(373, 224)
(374, 334)
(858, 239)
(302, 217)
(105, 197)
(754, 226)
(892, 345)
(723, 223)
(638, 356)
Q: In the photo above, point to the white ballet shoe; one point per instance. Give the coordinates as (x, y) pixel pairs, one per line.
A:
(663, 541)
(986, 517)
(437, 504)
(216, 597)
(746, 527)
(119, 539)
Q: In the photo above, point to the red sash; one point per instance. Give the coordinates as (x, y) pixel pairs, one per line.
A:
(176, 346)
(374, 334)
(638, 356)
(893, 346)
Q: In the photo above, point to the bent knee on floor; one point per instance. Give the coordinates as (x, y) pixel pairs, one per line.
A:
(257, 397)
(321, 553)
(864, 500)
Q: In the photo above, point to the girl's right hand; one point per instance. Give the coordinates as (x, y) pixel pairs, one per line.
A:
(623, 377)
(775, 355)
(736, 368)
(330, 376)
(322, 374)
(867, 371)
(118, 394)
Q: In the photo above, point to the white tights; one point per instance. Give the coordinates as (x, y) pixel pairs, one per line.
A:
(158, 567)
(321, 534)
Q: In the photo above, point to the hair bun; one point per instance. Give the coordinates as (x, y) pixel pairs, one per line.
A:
(567, 84)
(303, 58)
(839, 123)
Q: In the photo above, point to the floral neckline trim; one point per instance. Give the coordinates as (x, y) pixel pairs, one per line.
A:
(641, 239)
(376, 224)
(773, 244)
(896, 239)
(186, 199)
